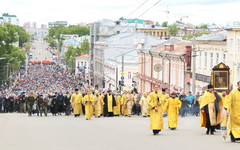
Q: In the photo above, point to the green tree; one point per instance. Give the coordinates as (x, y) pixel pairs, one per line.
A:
(187, 37)
(157, 24)
(11, 53)
(56, 32)
(165, 24)
(173, 30)
(85, 47)
(27, 46)
(22, 35)
(51, 42)
(190, 36)
(204, 26)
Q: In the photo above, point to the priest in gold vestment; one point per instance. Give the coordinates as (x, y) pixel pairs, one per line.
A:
(155, 106)
(234, 117)
(109, 103)
(210, 112)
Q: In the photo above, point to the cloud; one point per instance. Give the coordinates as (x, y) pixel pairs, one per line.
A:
(75, 11)
(197, 2)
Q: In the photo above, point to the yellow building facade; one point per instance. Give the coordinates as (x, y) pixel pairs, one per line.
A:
(159, 32)
(233, 41)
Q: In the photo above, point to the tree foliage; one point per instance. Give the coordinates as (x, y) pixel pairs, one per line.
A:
(165, 24)
(157, 24)
(23, 36)
(27, 46)
(9, 36)
(190, 36)
(56, 31)
(203, 26)
(72, 52)
(173, 30)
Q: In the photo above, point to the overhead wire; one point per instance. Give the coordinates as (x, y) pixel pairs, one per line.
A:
(142, 13)
(137, 8)
(132, 12)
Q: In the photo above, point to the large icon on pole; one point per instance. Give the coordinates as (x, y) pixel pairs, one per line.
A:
(220, 77)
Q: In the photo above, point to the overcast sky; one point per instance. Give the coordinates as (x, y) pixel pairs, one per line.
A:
(76, 11)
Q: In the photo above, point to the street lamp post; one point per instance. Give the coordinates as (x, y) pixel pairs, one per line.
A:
(194, 64)
(2, 58)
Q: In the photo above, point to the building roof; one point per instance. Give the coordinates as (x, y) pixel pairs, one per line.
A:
(7, 15)
(83, 56)
(127, 44)
(220, 36)
(151, 28)
(133, 20)
(179, 48)
(232, 27)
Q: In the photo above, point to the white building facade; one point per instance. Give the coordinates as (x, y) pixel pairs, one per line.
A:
(211, 50)
(82, 67)
(12, 19)
(117, 55)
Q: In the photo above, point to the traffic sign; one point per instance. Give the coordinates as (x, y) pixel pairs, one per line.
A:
(122, 73)
(122, 82)
(122, 78)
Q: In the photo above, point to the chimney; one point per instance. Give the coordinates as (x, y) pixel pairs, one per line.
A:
(188, 48)
(169, 47)
(118, 22)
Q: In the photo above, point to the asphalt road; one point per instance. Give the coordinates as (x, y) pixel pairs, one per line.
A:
(40, 53)
(19, 132)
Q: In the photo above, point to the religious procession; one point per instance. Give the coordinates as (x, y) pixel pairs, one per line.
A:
(48, 89)
(216, 109)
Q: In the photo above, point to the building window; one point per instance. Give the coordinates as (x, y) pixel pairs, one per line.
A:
(150, 32)
(205, 60)
(200, 59)
(217, 58)
(211, 60)
(129, 75)
(238, 72)
(181, 78)
(167, 73)
(231, 46)
(161, 34)
(158, 34)
(81, 63)
(238, 46)
(154, 33)
(224, 58)
(165, 34)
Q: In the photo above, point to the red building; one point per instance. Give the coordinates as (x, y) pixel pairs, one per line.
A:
(174, 60)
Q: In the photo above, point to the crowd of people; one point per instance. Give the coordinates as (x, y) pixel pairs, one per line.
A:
(50, 89)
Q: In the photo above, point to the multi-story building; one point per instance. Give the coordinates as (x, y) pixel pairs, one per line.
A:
(6, 18)
(159, 32)
(118, 54)
(72, 40)
(82, 67)
(32, 29)
(57, 23)
(26, 25)
(233, 44)
(106, 28)
(172, 58)
(43, 26)
(211, 50)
